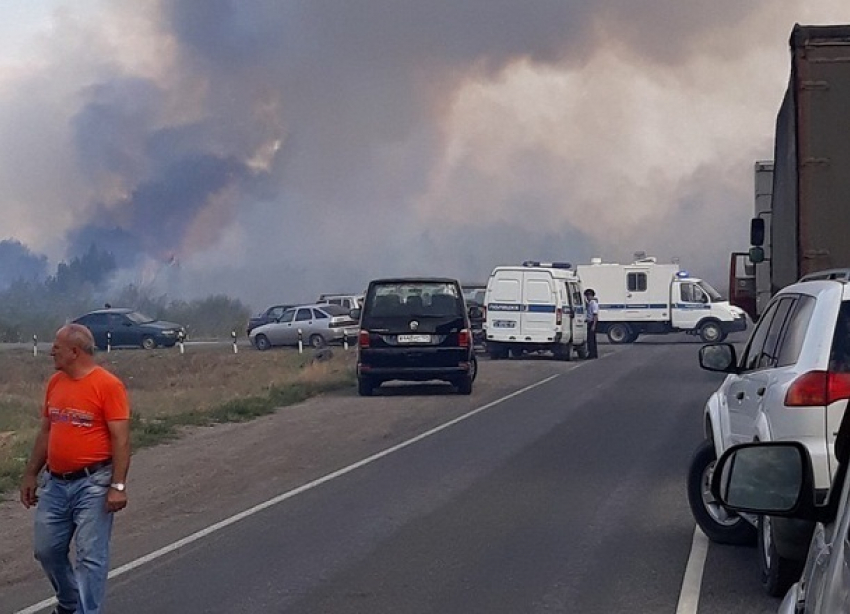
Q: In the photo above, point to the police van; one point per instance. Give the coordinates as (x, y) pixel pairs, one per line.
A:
(535, 306)
(646, 297)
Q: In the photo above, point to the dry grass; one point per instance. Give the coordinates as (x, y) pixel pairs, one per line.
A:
(168, 390)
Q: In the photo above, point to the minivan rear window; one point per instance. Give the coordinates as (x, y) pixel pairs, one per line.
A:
(422, 299)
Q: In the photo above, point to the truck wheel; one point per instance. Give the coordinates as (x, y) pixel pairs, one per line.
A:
(619, 333)
(710, 332)
(719, 524)
(777, 572)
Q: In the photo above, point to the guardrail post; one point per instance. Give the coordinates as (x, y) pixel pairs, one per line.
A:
(35, 345)
(233, 336)
(300, 341)
(108, 341)
(345, 339)
(180, 338)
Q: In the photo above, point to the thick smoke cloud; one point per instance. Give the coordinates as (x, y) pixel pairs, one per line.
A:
(278, 150)
(17, 263)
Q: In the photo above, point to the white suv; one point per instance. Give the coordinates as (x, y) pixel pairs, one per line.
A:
(783, 388)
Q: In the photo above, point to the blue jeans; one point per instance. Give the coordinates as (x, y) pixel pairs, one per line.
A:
(77, 509)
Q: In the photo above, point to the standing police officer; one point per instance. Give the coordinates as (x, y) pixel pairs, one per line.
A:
(592, 320)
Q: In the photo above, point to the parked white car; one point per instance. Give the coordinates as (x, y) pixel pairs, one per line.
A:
(788, 385)
(314, 325)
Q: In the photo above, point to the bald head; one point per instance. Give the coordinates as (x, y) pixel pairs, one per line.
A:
(77, 336)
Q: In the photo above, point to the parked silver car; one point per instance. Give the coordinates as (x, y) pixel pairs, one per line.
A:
(314, 325)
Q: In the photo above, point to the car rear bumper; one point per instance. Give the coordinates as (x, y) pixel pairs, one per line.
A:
(413, 364)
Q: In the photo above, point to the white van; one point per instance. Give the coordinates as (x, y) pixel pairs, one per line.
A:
(535, 307)
(645, 297)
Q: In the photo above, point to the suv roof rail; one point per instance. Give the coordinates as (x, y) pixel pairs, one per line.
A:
(839, 274)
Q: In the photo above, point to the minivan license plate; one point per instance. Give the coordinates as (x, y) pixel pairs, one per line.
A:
(414, 338)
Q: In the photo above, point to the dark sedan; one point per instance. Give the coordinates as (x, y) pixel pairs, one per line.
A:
(118, 327)
(272, 314)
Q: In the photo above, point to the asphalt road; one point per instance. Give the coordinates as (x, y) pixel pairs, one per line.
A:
(567, 497)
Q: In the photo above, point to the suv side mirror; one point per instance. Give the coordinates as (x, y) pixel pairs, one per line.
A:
(757, 231)
(718, 357)
(756, 255)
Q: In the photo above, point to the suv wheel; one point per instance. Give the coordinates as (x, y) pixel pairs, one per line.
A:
(719, 524)
(149, 343)
(777, 572)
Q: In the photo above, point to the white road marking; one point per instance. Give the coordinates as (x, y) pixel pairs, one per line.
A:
(292, 493)
(692, 582)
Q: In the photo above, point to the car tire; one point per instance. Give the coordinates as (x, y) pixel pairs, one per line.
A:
(777, 573)
(464, 385)
(317, 341)
(365, 386)
(262, 343)
(473, 368)
(711, 332)
(720, 525)
(148, 342)
(620, 333)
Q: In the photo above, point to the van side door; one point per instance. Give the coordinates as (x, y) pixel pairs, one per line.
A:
(540, 299)
(579, 318)
(638, 304)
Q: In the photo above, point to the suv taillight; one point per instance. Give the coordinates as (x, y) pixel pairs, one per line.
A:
(363, 339)
(818, 388)
(559, 316)
(463, 338)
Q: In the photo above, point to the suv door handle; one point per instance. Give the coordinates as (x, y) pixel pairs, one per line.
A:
(760, 391)
(740, 395)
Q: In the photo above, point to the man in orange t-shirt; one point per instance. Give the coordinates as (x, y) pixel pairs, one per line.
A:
(84, 443)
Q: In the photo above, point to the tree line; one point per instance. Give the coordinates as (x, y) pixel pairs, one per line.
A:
(39, 305)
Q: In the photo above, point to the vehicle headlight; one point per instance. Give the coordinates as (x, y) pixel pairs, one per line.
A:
(169, 333)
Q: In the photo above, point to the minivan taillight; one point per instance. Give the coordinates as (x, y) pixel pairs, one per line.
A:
(559, 316)
(463, 338)
(363, 339)
(818, 388)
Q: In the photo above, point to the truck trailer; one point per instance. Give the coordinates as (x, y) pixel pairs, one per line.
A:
(806, 226)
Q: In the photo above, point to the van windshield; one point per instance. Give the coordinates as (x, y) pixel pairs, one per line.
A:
(420, 299)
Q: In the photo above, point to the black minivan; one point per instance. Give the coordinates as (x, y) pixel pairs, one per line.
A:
(414, 329)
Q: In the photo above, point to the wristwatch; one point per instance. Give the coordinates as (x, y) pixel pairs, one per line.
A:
(119, 486)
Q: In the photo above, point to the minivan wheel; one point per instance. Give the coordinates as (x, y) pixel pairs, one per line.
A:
(718, 523)
(777, 572)
(619, 333)
(581, 350)
(365, 386)
(149, 343)
(464, 385)
(473, 369)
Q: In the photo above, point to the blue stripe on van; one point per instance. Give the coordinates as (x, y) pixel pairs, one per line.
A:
(616, 306)
(540, 308)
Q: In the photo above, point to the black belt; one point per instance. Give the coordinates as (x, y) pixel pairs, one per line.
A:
(81, 473)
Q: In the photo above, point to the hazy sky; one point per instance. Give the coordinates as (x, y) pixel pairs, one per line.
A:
(274, 149)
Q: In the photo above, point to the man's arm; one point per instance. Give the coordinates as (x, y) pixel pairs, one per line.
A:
(119, 434)
(38, 457)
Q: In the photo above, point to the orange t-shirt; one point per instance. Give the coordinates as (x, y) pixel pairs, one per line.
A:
(78, 411)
